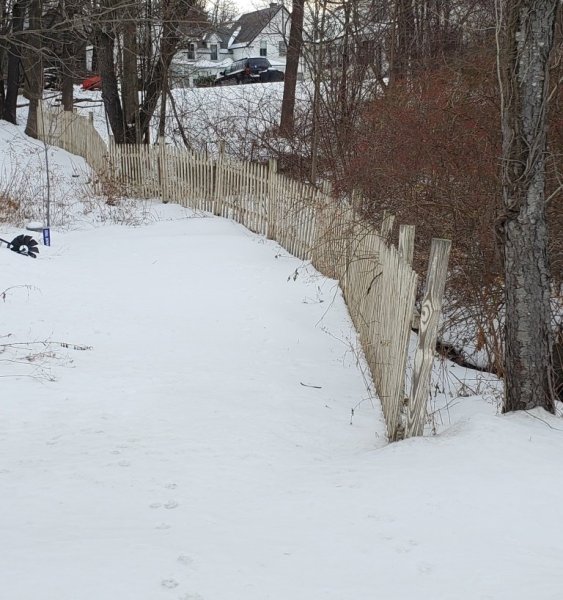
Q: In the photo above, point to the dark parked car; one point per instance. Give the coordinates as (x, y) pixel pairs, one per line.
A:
(249, 70)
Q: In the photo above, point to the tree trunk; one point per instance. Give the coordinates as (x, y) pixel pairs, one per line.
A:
(317, 70)
(14, 64)
(3, 32)
(344, 74)
(403, 40)
(130, 83)
(163, 97)
(110, 91)
(67, 81)
(33, 67)
(287, 122)
(529, 39)
(68, 59)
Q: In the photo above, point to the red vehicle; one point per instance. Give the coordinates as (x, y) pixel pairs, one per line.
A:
(92, 83)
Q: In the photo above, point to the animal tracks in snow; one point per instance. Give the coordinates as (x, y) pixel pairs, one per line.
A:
(182, 560)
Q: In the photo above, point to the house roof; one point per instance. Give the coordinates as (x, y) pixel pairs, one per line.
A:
(251, 24)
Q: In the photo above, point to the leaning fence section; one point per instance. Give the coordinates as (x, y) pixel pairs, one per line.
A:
(76, 134)
(376, 277)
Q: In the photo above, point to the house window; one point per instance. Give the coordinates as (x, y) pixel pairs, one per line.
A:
(190, 52)
(263, 48)
(282, 48)
(214, 51)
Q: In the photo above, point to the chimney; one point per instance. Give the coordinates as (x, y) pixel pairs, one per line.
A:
(273, 4)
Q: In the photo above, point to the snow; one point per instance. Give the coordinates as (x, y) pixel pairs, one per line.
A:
(243, 116)
(176, 423)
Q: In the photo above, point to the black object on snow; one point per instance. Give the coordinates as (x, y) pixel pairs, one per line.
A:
(23, 244)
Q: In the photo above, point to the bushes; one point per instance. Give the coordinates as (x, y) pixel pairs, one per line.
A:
(429, 152)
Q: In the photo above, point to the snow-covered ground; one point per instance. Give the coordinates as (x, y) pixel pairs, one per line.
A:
(177, 423)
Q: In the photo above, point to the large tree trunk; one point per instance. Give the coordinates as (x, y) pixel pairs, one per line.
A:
(287, 122)
(14, 63)
(110, 91)
(529, 38)
(3, 32)
(130, 79)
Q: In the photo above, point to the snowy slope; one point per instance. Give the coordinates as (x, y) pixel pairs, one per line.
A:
(176, 424)
(241, 116)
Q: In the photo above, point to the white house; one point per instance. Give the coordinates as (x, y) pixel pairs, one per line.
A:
(259, 33)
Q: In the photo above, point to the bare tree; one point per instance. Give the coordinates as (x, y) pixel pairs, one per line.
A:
(292, 66)
(222, 12)
(529, 26)
(14, 61)
(130, 68)
(4, 24)
(162, 35)
(70, 43)
(33, 66)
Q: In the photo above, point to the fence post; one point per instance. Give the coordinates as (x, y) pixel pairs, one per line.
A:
(162, 169)
(218, 195)
(114, 169)
(428, 332)
(272, 209)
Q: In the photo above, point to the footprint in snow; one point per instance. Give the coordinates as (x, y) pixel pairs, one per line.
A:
(171, 486)
(170, 504)
(169, 584)
(424, 568)
(124, 463)
(163, 526)
(185, 560)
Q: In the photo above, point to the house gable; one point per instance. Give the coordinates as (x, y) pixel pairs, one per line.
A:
(267, 21)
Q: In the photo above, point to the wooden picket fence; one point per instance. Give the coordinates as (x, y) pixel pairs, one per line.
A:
(376, 278)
